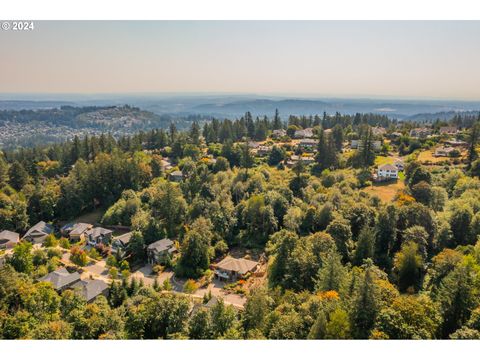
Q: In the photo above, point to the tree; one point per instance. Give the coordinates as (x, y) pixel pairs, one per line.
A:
(200, 325)
(365, 246)
(365, 305)
(276, 156)
(22, 259)
(331, 274)
(339, 229)
(408, 267)
(460, 220)
(409, 317)
(195, 257)
(18, 176)
(385, 235)
(472, 144)
(136, 246)
(326, 153)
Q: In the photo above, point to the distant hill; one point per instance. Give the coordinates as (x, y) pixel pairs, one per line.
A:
(32, 105)
(444, 115)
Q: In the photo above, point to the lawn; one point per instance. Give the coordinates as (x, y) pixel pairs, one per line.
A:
(385, 191)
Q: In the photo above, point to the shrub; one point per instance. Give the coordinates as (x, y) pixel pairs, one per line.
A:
(113, 273)
(93, 254)
(111, 261)
(65, 243)
(78, 256)
(190, 286)
(50, 241)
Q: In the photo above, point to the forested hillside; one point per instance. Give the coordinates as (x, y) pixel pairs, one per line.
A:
(340, 261)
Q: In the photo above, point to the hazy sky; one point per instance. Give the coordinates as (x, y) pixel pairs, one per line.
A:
(323, 58)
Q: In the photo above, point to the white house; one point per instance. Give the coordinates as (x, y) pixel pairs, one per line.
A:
(387, 171)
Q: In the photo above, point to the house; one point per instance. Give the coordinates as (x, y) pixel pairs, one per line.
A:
(253, 144)
(120, 243)
(8, 239)
(396, 134)
(305, 133)
(160, 251)
(279, 133)
(399, 165)
(75, 231)
(231, 268)
(176, 176)
(91, 289)
(61, 279)
(307, 143)
(456, 143)
(263, 150)
(448, 130)
(421, 132)
(38, 233)
(165, 164)
(358, 144)
(378, 130)
(445, 151)
(98, 235)
(387, 171)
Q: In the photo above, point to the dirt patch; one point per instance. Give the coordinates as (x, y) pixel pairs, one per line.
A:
(385, 191)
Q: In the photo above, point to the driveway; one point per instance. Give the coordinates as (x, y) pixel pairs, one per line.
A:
(97, 269)
(216, 289)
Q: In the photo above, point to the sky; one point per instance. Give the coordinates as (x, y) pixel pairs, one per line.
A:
(396, 59)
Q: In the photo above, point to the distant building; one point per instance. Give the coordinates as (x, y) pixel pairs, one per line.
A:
(358, 144)
(308, 143)
(75, 231)
(263, 150)
(279, 133)
(421, 132)
(378, 131)
(98, 235)
(399, 165)
(61, 279)
(445, 151)
(160, 251)
(231, 269)
(448, 130)
(305, 133)
(387, 171)
(120, 244)
(91, 289)
(176, 176)
(8, 239)
(456, 143)
(38, 233)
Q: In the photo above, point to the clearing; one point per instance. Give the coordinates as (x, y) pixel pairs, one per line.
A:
(385, 191)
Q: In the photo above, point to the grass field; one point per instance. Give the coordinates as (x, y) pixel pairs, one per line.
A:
(386, 191)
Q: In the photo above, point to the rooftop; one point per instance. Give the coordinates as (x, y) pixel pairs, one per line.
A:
(160, 245)
(60, 278)
(241, 266)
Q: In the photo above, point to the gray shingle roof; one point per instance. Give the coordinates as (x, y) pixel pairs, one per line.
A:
(124, 239)
(9, 236)
(90, 289)
(41, 228)
(241, 266)
(61, 278)
(80, 228)
(98, 231)
(161, 245)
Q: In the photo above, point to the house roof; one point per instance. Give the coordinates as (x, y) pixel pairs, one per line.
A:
(241, 266)
(80, 228)
(388, 167)
(176, 173)
(161, 245)
(40, 229)
(9, 236)
(98, 231)
(124, 239)
(90, 289)
(60, 278)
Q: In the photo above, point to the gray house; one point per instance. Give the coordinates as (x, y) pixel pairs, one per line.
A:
(8, 239)
(61, 279)
(76, 231)
(91, 289)
(120, 243)
(161, 251)
(38, 233)
(98, 235)
(231, 269)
